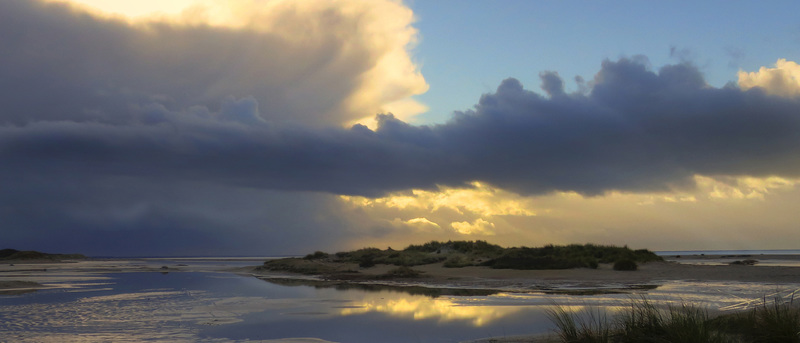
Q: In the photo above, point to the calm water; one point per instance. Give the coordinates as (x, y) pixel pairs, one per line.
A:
(730, 252)
(724, 257)
(202, 306)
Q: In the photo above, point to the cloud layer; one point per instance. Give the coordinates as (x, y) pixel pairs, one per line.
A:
(311, 62)
(175, 131)
(636, 130)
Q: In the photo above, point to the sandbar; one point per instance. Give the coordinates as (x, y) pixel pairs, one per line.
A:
(652, 273)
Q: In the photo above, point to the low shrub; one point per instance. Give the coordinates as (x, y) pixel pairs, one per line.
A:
(538, 258)
(458, 254)
(402, 272)
(482, 248)
(366, 263)
(317, 255)
(625, 265)
(747, 262)
(298, 265)
(457, 261)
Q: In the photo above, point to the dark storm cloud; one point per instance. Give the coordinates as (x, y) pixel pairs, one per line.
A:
(59, 63)
(96, 97)
(637, 130)
(124, 216)
(114, 140)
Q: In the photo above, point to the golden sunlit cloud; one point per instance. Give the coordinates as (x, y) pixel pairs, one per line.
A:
(418, 224)
(135, 10)
(478, 227)
(567, 217)
(742, 188)
(376, 34)
(783, 80)
(481, 199)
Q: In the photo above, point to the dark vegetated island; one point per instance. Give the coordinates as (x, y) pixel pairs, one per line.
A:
(460, 254)
(29, 255)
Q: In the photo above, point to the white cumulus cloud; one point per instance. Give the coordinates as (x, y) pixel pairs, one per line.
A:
(782, 80)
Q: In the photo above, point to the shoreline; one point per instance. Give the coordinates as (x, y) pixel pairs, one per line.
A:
(473, 277)
(435, 280)
(566, 280)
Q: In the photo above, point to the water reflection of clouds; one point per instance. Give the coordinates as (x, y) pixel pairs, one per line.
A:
(187, 306)
(420, 308)
(480, 311)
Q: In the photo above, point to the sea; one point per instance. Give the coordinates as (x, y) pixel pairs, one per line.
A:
(776, 258)
(204, 300)
(729, 252)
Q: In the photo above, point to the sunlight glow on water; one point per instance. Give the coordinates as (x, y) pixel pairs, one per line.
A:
(203, 306)
(472, 310)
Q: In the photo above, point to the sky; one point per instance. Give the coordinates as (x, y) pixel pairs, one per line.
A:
(271, 127)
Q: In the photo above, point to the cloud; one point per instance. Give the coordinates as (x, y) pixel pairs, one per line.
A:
(312, 62)
(783, 80)
(419, 224)
(478, 227)
(743, 188)
(128, 111)
(126, 216)
(636, 131)
(478, 199)
(175, 131)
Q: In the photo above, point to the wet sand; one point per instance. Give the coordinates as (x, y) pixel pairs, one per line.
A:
(604, 276)
(37, 274)
(773, 269)
(25, 277)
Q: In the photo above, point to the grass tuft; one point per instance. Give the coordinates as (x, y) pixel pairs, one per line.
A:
(776, 321)
(589, 326)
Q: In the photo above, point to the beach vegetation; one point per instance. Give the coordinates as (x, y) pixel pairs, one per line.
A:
(366, 263)
(402, 272)
(458, 261)
(459, 254)
(643, 321)
(298, 265)
(569, 256)
(480, 248)
(14, 254)
(317, 255)
(747, 262)
(776, 320)
(625, 265)
(590, 326)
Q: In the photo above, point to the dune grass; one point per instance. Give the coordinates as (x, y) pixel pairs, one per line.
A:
(13, 254)
(591, 326)
(568, 256)
(775, 321)
(459, 254)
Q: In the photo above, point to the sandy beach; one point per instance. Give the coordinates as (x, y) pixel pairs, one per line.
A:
(20, 278)
(31, 275)
(768, 269)
(716, 268)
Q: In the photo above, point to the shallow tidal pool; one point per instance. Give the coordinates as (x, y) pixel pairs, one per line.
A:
(207, 306)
